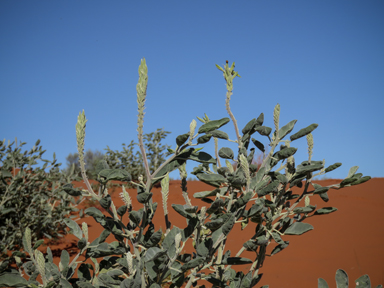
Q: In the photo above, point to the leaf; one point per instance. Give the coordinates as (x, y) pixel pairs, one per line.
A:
(226, 153)
(361, 180)
(106, 175)
(181, 210)
(204, 139)
(282, 154)
(219, 134)
(181, 139)
(342, 279)
(286, 129)
(12, 280)
(144, 197)
(332, 167)
(212, 179)
(352, 171)
(279, 248)
(204, 194)
(236, 261)
(270, 188)
(68, 188)
(37, 244)
(192, 264)
(258, 144)
(263, 130)
(363, 282)
(94, 212)
(64, 260)
(303, 132)
(75, 229)
(325, 210)
(298, 228)
(321, 190)
(321, 283)
(153, 253)
(305, 168)
(212, 125)
(249, 126)
(106, 202)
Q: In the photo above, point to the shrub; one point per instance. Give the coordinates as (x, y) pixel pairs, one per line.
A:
(131, 160)
(30, 197)
(91, 159)
(142, 256)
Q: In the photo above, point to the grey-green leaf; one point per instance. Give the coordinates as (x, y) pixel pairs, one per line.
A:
(321, 283)
(286, 129)
(181, 139)
(332, 167)
(226, 153)
(325, 210)
(363, 282)
(303, 132)
(12, 280)
(212, 179)
(341, 279)
(76, 230)
(212, 125)
(236, 261)
(298, 228)
(219, 134)
(106, 175)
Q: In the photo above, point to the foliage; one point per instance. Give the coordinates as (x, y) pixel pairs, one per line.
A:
(132, 161)
(91, 159)
(343, 282)
(30, 197)
(142, 256)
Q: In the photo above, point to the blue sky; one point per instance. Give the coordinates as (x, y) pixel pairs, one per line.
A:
(322, 61)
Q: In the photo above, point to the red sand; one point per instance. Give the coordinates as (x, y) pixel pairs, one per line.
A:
(351, 238)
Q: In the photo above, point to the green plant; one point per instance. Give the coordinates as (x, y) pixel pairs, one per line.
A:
(142, 256)
(30, 197)
(91, 159)
(343, 282)
(131, 160)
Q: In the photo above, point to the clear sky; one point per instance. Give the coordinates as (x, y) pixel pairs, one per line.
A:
(322, 61)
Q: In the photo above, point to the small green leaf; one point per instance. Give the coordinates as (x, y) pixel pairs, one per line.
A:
(258, 144)
(304, 132)
(352, 171)
(37, 244)
(286, 129)
(263, 130)
(75, 229)
(144, 197)
(236, 261)
(181, 139)
(113, 174)
(342, 279)
(226, 153)
(219, 134)
(298, 228)
(106, 202)
(204, 139)
(363, 282)
(325, 210)
(212, 179)
(321, 283)
(212, 125)
(12, 280)
(332, 167)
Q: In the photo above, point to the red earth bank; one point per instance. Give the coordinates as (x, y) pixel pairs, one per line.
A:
(351, 238)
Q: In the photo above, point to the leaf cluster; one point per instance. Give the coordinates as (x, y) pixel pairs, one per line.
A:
(30, 196)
